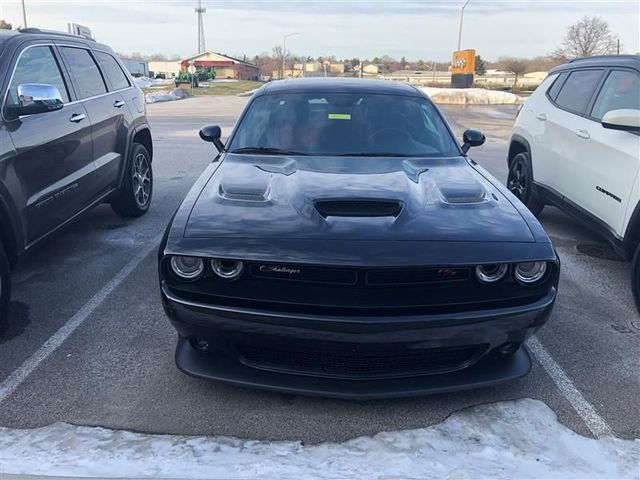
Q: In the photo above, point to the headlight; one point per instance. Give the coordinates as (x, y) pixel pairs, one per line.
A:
(188, 268)
(227, 269)
(530, 272)
(491, 273)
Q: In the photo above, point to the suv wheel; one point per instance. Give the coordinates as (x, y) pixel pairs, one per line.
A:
(134, 197)
(5, 286)
(520, 183)
(635, 277)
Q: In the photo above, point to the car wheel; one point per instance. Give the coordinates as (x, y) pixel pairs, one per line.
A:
(520, 183)
(5, 286)
(134, 197)
(635, 277)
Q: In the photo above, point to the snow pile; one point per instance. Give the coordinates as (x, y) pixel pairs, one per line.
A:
(164, 96)
(471, 96)
(146, 82)
(518, 439)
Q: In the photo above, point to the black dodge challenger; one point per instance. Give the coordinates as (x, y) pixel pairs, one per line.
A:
(343, 244)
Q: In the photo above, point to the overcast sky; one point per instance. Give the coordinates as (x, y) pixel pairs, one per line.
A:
(424, 29)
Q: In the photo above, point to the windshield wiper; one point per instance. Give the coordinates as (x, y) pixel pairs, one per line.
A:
(266, 151)
(376, 154)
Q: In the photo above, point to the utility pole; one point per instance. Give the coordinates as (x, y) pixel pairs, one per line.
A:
(618, 46)
(284, 50)
(461, 17)
(24, 15)
(199, 11)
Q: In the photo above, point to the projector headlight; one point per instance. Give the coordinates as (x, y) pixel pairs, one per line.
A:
(227, 269)
(530, 272)
(188, 268)
(491, 273)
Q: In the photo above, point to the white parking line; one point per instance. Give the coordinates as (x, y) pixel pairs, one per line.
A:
(13, 381)
(592, 419)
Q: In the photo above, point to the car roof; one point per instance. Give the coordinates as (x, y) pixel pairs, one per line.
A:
(39, 34)
(339, 85)
(630, 61)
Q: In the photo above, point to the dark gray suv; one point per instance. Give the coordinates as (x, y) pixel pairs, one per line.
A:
(73, 134)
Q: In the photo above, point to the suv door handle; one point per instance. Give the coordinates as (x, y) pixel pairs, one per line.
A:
(583, 134)
(541, 116)
(77, 118)
(118, 104)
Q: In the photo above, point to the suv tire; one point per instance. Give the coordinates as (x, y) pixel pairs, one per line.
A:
(520, 183)
(5, 286)
(134, 197)
(635, 277)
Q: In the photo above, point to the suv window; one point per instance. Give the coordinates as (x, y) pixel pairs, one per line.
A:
(620, 90)
(578, 90)
(555, 87)
(112, 70)
(86, 75)
(37, 65)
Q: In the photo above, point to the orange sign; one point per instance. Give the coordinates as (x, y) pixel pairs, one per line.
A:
(464, 61)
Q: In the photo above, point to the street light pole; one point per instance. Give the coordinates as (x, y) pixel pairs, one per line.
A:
(284, 50)
(24, 15)
(461, 17)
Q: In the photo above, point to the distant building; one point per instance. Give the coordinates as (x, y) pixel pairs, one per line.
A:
(137, 68)
(167, 69)
(224, 66)
(372, 69)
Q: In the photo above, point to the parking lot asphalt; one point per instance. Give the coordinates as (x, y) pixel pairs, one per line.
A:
(88, 342)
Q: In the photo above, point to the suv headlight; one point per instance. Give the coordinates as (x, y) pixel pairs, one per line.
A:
(188, 268)
(530, 272)
(491, 273)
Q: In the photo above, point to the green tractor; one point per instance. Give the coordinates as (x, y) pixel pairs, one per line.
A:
(185, 78)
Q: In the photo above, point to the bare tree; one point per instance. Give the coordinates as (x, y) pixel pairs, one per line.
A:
(590, 36)
(5, 26)
(515, 65)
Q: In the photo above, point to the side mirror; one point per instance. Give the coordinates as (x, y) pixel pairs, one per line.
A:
(212, 133)
(36, 98)
(472, 138)
(624, 119)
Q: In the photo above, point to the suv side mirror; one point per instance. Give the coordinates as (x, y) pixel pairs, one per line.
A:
(472, 138)
(623, 119)
(36, 98)
(212, 133)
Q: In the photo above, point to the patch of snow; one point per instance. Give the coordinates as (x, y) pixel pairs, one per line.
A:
(146, 82)
(248, 93)
(471, 96)
(517, 439)
(165, 96)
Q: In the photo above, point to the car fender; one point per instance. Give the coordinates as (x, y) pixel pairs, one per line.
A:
(132, 134)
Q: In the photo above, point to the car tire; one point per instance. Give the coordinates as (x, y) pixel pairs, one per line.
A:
(520, 183)
(635, 277)
(5, 286)
(134, 197)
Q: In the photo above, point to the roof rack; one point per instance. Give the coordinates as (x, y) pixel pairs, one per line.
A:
(52, 32)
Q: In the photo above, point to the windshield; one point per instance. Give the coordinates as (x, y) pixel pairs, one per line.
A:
(343, 124)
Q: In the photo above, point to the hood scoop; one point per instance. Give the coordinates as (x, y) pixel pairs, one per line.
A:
(358, 208)
(471, 192)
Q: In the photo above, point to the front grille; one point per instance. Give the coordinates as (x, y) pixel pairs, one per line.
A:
(363, 364)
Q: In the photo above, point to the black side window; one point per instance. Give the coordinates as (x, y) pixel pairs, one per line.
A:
(112, 70)
(578, 90)
(621, 90)
(84, 71)
(555, 87)
(37, 65)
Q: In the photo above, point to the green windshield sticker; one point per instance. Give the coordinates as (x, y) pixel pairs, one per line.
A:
(339, 116)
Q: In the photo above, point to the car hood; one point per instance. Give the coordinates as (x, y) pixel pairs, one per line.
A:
(353, 198)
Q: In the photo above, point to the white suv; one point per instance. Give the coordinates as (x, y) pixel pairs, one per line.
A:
(576, 145)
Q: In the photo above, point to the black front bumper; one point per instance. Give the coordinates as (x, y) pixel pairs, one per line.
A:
(222, 329)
